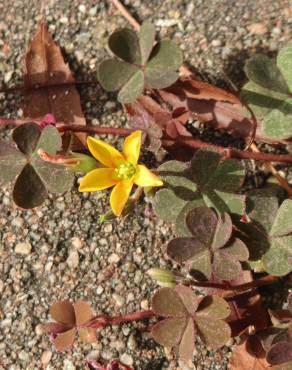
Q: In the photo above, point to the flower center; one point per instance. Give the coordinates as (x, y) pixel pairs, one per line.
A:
(125, 171)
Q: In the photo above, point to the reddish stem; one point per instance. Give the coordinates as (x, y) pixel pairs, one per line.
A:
(266, 280)
(104, 320)
(21, 88)
(166, 142)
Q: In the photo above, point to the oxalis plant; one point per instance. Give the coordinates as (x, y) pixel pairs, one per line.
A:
(228, 240)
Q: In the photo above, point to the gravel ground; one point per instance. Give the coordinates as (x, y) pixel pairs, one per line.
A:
(61, 250)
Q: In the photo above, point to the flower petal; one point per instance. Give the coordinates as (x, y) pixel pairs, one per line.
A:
(104, 153)
(99, 179)
(119, 196)
(145, 177)
(64, 341)
(132, 145)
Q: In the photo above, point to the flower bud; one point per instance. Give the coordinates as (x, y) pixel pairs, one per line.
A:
(85, 163)
(163, 277)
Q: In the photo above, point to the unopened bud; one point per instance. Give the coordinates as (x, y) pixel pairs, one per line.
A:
(163, 277)
(84, 164)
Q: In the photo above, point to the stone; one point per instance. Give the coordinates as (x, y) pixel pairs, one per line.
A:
(73, 259)
(120, 301)
(23, 248)
(257, 29)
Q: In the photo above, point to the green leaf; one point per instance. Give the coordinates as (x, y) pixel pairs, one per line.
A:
(50, 140)
(168, 205)
(277, 261)
(132, 89)
(209, 250)
(166, 54)
(218, 180)
(29, 191)
(11, 162)
(262, 207)
(264, 72)
(284, 62)
(282, 224)
(262, 100)
(277, 125)
(160, 78)
(26, 137)
(203, 165)
(35, 176)
(186, 184)
(269, 234)
(124, 44)
(56, 178)
(146, 40)
(113, 74)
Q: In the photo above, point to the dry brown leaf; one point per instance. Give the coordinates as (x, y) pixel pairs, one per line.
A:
(45, 66)
(196, 89)
(249, 356)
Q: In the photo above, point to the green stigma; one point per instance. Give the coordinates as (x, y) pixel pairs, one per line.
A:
(125, 171)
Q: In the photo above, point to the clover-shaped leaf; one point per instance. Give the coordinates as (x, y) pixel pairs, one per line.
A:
(208, 180)
(70, 318)
(139, 63)
(210, 250)
(269, 234)
(185, 318)
(34, 177)
(269, 92)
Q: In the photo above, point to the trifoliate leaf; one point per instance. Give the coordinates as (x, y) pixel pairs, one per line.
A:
(34, 176)
(208, 181)
(269, 92)
(269, 234)
(138, 63)
(210, 249)
(184, 319)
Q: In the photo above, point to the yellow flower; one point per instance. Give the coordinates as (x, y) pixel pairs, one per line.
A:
(121, 170)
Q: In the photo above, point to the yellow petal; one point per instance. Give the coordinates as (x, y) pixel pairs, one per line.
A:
(145, 177)
(119, 196)
(99, 179)
(132, 145)
(104, 153)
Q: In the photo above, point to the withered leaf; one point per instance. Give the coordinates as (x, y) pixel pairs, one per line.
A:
(45, 66)
(70, 318)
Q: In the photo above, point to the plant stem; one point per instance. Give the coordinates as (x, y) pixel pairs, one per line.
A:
(193, 143)
(266, 280)
(126, 14)
(104, 320)
(21, 88)
(95, 129)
